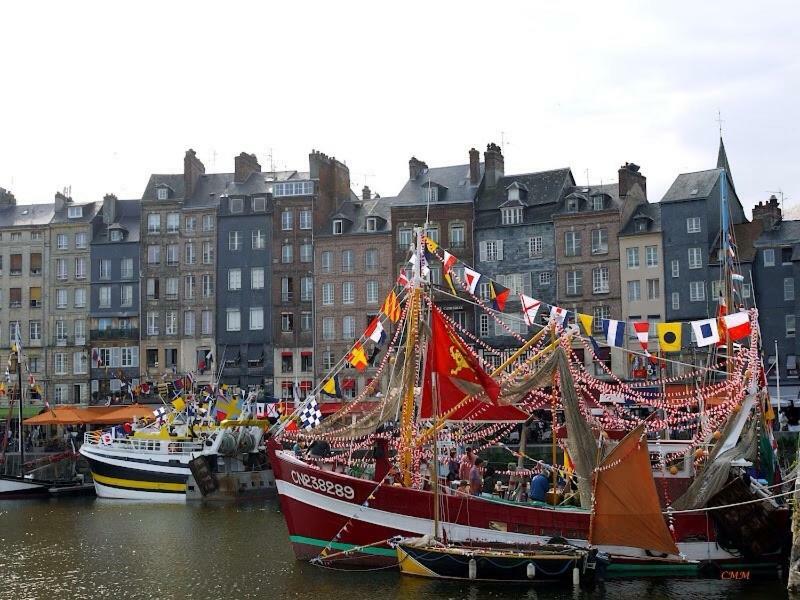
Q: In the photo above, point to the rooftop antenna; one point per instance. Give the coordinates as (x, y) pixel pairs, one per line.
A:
(587, 178)
(271, 160)
(503, 140)
(719, 122)
(779, 192)
(213, 159)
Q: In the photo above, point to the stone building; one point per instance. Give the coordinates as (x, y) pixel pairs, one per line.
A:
(68, 309)
(354, 273)
(114, 299)
(24, 271)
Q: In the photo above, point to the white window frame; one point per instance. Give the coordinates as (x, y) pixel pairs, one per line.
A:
(695, 258)
(233, 319)
(769, 257)
(697, 291)
(693, 225)
(535, 246)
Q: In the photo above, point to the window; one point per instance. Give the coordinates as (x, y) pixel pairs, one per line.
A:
(35, 297)
(171, 323)
(115, 235)
(574, 283)
(511, 216)
(598, 202)
(61, 330)
(786, 255)
(233, 319)
(483, 290)
(327, 261)
(208, 286)
(256, 318)
(16, 236)
(81, 240)
(572, 243)
(173, 222)
(36, 263)
(634, 290)
(371, 259)
(130, 357)
(190, 257)
(80, 363)
(306, 289)
(306, 362)
(372, 292)
(126, 296)
(404, 235)
(651, 255)
(188, 322)
(170, 357)
(35, 330)
(61, 269)
(190, 224)
(126, 268)
(234, 240)
(653, 289)
(259, 204)
(327, 294)
(632, 255)
(306, 321)
(697, 291)
(372, 224)
(287, 253)
(172, 288)
(769, 257)
(347, 261)
(535, 246)
(172, 255)
(788, 288)
(61, 298)
(306, 253)
(105, 268)
(457, 239)
(234, 279)
(152, 288)
(348, 292)
(287, 322)
(328, 328)
(257, 278)
(491, 250)
(15, 298)
(305, 218)
(258, 239)
(600, 280)
(188, 287)
(161, 193)
(14, 330)
(152, 358)
(483, 325)
(348, 328)
(62, 242)
(80, 298)
(676, 301)
(327, 360)
(338, 227)
(208, 222)
(293, 188)
(599, 313)
(153, 254)
(545, 278)
(599, 241)
(287, 220)
(693, 225)
(60, 363)
(236, 205)
(790, 328)
(208, 253)
(207, 322)
(153, 223)
(105, 296)
(695, 258)
(286, 289)
(675, 266)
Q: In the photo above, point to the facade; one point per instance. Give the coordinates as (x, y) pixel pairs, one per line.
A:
(68, 309)
(354, 273)
(114, 319)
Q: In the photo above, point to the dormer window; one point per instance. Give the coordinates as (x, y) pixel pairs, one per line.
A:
(338, 227)
(372, 224)
(75, 212)
(236, 205)
(598, 203)
(161, 193)
(640, 225)
(511, 216)
(116, 235)
(431, 194)
(259, 204)
(573, 205)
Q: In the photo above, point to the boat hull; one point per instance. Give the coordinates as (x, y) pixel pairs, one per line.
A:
(12, 488)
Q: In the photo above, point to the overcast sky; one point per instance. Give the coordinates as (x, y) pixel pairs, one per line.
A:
(97, 97)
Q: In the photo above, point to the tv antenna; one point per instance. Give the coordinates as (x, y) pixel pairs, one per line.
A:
(780, 193)
(719, 121)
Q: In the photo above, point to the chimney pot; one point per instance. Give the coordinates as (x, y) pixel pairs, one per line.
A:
(366, 194)
(245, 165)
(193, 168)
(493, 164)
(629, 175)
(474, 166)
(415, 167)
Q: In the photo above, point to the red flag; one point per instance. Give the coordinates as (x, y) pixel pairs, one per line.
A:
(448, 261)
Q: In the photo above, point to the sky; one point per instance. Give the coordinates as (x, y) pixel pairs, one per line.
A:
(98, 95)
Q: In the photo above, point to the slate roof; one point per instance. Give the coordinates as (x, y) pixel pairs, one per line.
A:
(651, 211)
(128, 215)
(787, 232)
(26, 215)
(89, 211)
(609, 189)
(691, 186)
(745, 236)
(455, 178)
(355, 212)
(544, 187)
(174, 181)
(261, 183)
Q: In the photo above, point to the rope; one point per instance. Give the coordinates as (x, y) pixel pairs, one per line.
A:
(710, 508)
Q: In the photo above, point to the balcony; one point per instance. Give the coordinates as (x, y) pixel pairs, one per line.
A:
(18, 272)
(115, 334)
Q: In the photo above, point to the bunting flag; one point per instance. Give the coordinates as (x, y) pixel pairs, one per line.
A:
(391, 307)
(706, 332)
(471, 279)
(179, 404)
(614, 331)
(529, 309)
(642, 329)
(160, 412)
(311, 415)
(163, 389)
(402, 279)
(558, 314)
(738, 325)
(448, 277)
(228, 408)
(447, 262)
(669, 336)
(261, 410)
(330, 387)
(430, 249)
(357, 357)
(376, 332)
(498, 295)
(587, 321)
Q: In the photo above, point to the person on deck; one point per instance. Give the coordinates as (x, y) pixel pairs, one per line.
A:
(453, 465)
(467, 462)
(476, 478)
(490, 480)
(540, 485)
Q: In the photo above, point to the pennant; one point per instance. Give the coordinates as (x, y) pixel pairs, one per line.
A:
(642, 329)
(498, 295)
(706, 332)
(669, 336)
(529, 309)
(471, 279)
(331, 387)
(558, 314)
(311, 415)
(614, 331)
(391, 307)
(587, 321)
(357, 357)
(376, 332)
(449, 279)
(738, 325)
(448, 262)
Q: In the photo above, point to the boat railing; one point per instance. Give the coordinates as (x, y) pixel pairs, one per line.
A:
(142, 445)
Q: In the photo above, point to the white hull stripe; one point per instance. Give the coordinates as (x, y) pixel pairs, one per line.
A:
(104, 491)
(8, 486)
(139, 466)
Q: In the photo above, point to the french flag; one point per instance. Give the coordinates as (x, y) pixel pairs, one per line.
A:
(376, 332)
(614, 331)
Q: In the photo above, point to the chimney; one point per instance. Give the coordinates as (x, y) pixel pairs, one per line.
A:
(493, 164)
(628, 176)
(769, 213)
(61, 201)
(109, 209)
(192, 169)
(366, 194)
(245, 165)
(415, 167)
(7, 198)
(474, 166)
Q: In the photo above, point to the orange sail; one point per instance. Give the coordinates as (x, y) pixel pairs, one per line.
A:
(627, 511)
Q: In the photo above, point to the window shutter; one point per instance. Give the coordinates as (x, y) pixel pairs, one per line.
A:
(135, 356)
(527, 283)
(501, 279)
(116, 355)
(482, 251)
(499, 249)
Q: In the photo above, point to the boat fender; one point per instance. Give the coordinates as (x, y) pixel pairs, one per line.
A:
(576, 576)
(656, 554)
(558, 540)
(473, 568)
(530, 570)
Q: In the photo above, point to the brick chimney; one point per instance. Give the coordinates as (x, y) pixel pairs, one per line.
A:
(192, 170)
(628, 176)
(769, 213)
(7, 198)
(366, 193)
(109, 209)
(245, 165)
(474, 166)
(61, 201)
(415, 167)
(493, 164)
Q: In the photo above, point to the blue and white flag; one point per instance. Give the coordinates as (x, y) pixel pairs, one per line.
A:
(311, 415)
(705, 332)
(614, 331)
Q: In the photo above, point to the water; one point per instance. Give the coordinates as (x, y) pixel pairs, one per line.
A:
(90, 548)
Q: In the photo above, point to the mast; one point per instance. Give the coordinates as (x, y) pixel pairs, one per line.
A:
(19, 399)
(435, 398)
(726, 264)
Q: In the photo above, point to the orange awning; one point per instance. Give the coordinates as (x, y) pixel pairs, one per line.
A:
(114, 415)
(63, 415)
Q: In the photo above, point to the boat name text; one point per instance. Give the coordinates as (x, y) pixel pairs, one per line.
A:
(323, 485)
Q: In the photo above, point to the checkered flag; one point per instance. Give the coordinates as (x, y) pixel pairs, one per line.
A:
(311, 415)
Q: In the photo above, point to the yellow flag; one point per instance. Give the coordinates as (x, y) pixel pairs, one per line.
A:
(586, 321)
(179, 404)
(431, 245)
(669, 336)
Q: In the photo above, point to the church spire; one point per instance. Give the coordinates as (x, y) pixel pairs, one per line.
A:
(722, 160)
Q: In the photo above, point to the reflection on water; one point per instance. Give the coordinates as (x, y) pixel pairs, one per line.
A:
(90, 548)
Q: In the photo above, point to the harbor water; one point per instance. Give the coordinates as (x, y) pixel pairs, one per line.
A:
(91, 548)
